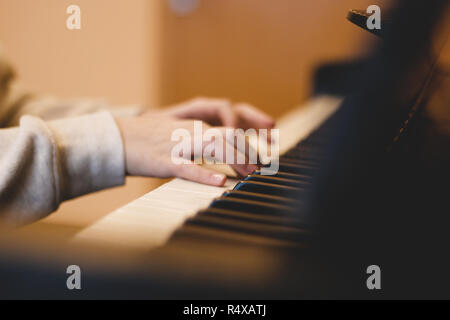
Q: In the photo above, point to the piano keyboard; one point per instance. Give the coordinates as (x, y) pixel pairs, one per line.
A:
(256, 209)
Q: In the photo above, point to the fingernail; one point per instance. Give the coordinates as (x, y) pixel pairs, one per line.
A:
(218, 179)
(264, 159)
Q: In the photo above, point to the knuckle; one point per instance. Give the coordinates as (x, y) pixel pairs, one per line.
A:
(219, 102)
(225, 103)
(242, 106)
(227, 107)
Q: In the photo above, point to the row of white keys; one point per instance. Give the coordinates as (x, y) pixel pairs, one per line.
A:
(149, 221)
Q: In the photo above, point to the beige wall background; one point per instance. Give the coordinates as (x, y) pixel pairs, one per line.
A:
(139, 51)
(112, 56)
(261, 51)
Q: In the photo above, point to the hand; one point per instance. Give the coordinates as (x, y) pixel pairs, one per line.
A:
(218, 112)
(148, 150)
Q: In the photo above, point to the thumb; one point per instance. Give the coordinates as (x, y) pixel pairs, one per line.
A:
(198, 174)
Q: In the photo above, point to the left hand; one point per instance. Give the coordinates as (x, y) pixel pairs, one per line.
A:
(218, 112)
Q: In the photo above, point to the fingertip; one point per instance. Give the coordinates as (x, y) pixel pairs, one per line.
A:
(218, 179)
(265, 160)
(254, 116)
(267, 122)
(244, 170)
(198, 174)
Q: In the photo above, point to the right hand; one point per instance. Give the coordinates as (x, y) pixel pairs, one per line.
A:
(148, 149)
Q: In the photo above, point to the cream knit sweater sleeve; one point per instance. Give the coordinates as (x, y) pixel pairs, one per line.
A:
(43, 163)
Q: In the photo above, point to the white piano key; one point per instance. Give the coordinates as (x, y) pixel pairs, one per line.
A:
(300, 122)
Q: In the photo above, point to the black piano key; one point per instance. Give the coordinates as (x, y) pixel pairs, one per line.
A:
(299, 161)
(250, 228)
(267, 188)
(256, 218)
(259, 197)
(295, 168)
(189, 232)
(292, 167)
(252, 206)
(287, 175)
(277, 180)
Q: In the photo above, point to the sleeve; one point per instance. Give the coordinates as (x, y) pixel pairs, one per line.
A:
(19, 102)
(45, 163)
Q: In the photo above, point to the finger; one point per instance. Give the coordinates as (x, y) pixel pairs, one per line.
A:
(227, 116)
(215, 149)
(250, 117)
(245, 142)
(198, 174)
(244, 168)
(213, 111)
(230, 155)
